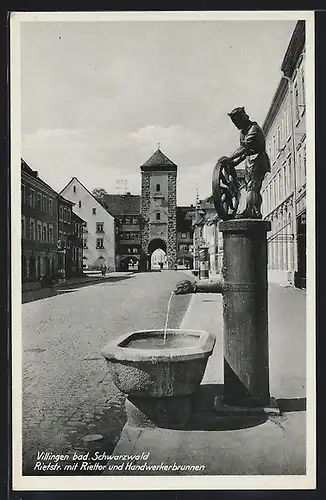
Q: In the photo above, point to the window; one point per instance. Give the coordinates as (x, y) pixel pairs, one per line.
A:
(296, 103)
(99, 227)
(127, 220)
(68, 215)
(273, 148)
(303, 90)
(278, 140)
(79, 204)
(289, 173)
(60, 213)
(94, 211)
(50, 206)
(23, 226)
(23, 193)
(158, 188)
(32, 229)
(135, 250)
(183, 235)
(99, 243)
(285, 184)
(44, 232)
(43, 203)
(39, 201)
(135, 220)
(31, 197)
(85, 243)
(39, 231)
(158, 216)
(74, 189)
(129, 250)
(51, 235)
(65, 218)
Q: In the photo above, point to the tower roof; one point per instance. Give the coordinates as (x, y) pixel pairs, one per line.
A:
(158, 161)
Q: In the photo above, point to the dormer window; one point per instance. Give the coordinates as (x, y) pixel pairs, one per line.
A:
(94, 211)
(158, 188)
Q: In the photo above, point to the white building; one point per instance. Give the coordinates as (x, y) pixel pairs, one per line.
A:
(99, 230)
(284, 188)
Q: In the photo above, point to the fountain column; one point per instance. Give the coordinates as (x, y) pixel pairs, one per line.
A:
(245, 313)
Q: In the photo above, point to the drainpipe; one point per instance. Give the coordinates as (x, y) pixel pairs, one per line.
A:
(294, 174)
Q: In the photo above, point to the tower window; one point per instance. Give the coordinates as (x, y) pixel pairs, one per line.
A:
(94, 211)
(79, 204)
(158, 187)
(74, 189)
(158, 216)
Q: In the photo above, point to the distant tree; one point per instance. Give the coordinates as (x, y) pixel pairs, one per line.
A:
(99, 194)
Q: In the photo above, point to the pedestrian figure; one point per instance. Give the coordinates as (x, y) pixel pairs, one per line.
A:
(103, 269)
(161, 266)
(253, 150)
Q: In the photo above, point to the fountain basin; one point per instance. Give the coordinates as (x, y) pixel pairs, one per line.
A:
(159, 378)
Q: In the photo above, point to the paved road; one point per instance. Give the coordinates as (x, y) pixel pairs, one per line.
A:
(67, 392)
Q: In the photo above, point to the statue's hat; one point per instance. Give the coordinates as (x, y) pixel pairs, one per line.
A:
(237, 112)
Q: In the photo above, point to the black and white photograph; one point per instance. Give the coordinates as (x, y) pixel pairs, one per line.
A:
(162, 228)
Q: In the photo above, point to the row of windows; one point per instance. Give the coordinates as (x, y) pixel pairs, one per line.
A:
(77, 253)
(281, 243)
(282, 184)
(183, 248)
(129, 220)
(134, 250)
(64, 214)
(131, 235)
(63, 238)
(99, 243)
(284, 130)
(35, 199)
(78, 229)
(36, 230)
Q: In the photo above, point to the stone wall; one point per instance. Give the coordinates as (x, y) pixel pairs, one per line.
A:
(172, 219)
(144, 209)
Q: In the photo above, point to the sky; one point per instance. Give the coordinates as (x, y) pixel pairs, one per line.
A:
(98, 97)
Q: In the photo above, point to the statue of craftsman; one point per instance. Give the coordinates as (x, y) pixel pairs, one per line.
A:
(252, 149)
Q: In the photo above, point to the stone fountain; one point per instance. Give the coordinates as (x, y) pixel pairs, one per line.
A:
(159, 370)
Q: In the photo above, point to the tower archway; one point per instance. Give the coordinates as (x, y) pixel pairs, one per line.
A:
(156, 247)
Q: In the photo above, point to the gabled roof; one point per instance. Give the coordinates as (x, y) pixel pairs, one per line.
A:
(34, 173)
(77, 218)
(125, 204)
(65, 200)
(74, 179)
(158, 161)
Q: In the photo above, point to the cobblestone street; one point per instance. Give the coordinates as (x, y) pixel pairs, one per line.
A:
(68, 396)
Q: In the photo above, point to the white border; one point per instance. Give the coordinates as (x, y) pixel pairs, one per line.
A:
(52, 483)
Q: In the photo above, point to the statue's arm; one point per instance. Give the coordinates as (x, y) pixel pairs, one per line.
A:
(202, 286)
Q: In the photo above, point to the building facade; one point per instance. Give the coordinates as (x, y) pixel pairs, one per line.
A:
(126, 210)
(39, 226)
(76, 245)
(185, 218)
(158, 208)
(284, 188)
(99, 234)
(65, 231)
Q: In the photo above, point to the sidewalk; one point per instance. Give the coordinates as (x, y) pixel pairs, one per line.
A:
(246, 445)
(37, 293)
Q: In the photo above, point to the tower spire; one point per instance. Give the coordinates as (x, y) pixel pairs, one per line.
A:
(158, 145)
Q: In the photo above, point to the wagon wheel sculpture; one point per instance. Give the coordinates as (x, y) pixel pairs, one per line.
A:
(225, 189)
